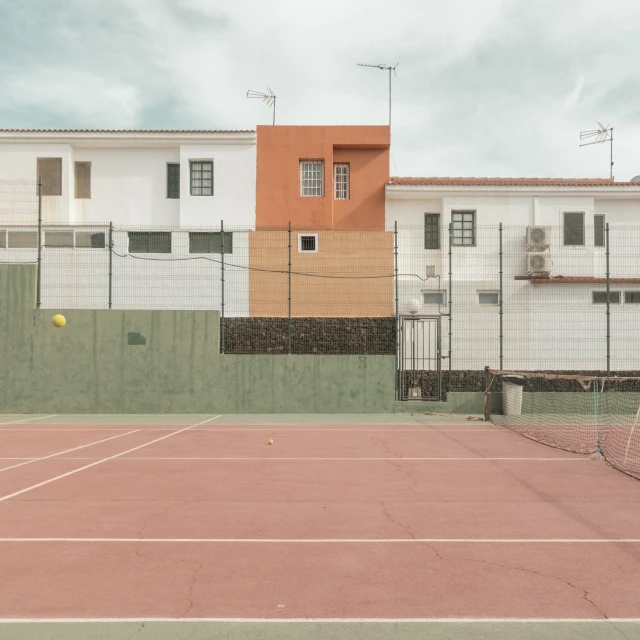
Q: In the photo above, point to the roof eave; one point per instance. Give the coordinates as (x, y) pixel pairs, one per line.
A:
(412, 191)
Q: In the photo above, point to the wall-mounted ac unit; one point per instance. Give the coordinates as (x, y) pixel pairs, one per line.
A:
(538, 263)
(431, 271)
(537, 238)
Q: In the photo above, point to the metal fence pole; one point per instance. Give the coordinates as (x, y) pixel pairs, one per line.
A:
(289, 328)
(606, 233)
(501, 311)
(222, 288)
(110, 265)
(39, 266)
(450, 301)
(395, 260)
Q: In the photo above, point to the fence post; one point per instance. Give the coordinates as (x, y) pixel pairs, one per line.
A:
(450, 301)
(222, 288)
(289, 294)
(39, 266)
(110, 265)
(395, 263)
(500, 300)
(606, 234)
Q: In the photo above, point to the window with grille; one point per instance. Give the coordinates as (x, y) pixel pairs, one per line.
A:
(632, 297)
(431, 230)
(573, 230)
(173, 180)
(598, 230)
(149, 242)
(49, 170)
(489, 297)
(600, 297)
(341, 181)
(434, 297)
(83, 180)
(312, 177)
(201, 177)
(210, 242)
(308, 243)
(463, 225)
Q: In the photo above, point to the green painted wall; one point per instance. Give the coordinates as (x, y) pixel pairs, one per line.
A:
(115, 361)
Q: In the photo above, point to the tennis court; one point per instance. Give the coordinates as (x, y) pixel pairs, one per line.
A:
(370, 526)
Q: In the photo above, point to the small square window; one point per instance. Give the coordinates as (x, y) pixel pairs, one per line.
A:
(341, 181)
(311, 177)
(173, 180)
(632, 297)
(210, 242)
(308, 243)
(434, 297)
(600, 297)
(201, 177)
(463, 225)
(574, 229)
(489, 297)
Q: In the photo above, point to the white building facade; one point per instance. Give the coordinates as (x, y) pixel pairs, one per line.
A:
(507, 298)
(158, 197)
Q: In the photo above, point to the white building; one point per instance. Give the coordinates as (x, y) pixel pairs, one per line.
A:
(553, 291)
(165, 193)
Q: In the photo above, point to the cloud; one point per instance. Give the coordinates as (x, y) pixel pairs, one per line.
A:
(502, 86)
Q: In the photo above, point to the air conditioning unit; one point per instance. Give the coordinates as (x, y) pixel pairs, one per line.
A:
(538, 264)
(431, 271)
(537, 238)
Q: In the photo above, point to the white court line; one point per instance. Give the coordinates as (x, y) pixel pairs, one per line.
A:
(273, 429)
(53, 415)
(93, 464)
(399, 459)
(284, 621)
(332, 540)
(53, 455)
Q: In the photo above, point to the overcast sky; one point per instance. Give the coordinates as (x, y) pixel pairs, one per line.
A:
(484, 87)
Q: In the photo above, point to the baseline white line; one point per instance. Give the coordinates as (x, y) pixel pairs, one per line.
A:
(53, 455)
(330, 540)
(398, 459)
(93, 464)
(273, 429)
(53, 415)
(284, 621)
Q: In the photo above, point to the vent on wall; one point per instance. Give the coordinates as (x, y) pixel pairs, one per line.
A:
(538, 264)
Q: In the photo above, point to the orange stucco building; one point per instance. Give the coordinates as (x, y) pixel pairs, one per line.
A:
(329, 184)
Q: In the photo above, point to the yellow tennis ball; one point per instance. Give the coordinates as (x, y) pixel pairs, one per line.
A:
(59, 320)
(270, 442)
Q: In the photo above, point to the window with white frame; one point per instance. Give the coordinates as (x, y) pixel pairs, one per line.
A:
(489, 298)
(308, 242)
(573, 228)
(341, 181)
(201, 177)
(463, 227)
(632, 297)
(434, 297)
(311, 177)
(600, 297)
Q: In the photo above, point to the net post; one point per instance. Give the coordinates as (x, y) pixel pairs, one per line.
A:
(501, 311)
(608, 278)
(596, 413)
(222, 287)
(487, 395)
(289, 328)
(39, 265)
(450, 302)
(110, 265)
(395, 266)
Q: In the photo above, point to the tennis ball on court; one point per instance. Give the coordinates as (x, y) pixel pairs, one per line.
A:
(270, 442)
(59, 320)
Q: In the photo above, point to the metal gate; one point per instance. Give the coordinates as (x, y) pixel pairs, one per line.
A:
(419, 367)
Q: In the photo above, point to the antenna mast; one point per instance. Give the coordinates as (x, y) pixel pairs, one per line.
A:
(269, 98)
(602, 134)
(384, 67)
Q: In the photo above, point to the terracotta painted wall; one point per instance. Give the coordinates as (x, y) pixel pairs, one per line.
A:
(350, 276)
(278, 199)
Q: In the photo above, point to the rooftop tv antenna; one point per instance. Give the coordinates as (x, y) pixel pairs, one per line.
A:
(269, 98)
(384, 67)
(602, 134)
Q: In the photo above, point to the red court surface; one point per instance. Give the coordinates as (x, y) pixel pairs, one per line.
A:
(205, 520)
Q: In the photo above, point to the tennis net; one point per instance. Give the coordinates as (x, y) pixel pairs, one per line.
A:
(584, 414)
